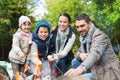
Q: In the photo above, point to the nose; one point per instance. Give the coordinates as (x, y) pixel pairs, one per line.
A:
(79, 29)
(27, 26)
(62, 23)
(43, 34)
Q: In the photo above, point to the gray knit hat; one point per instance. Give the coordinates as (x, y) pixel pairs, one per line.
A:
(23, 19)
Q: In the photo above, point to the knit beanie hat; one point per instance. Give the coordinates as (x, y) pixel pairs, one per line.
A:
(43, 23)
(23, 19)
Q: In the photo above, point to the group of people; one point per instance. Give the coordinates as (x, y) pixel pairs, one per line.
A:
(94, 57)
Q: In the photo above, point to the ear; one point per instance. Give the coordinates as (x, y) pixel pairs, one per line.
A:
(89, 23)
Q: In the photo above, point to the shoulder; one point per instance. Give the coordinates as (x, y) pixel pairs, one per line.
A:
(99, 32)
(99, 35)
(17, 35)
(73, 35)
(34, 44)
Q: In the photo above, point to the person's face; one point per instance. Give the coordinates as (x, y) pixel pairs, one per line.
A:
(63, 23)
(82, 27)
(43, 32)
(26, 27)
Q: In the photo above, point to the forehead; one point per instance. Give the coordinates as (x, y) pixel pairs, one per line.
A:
(80, 22)
(63, 18)
(27, 22)
(43, 28)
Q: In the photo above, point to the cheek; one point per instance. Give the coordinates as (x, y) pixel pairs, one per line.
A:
(39, 34)
(77, 29)
(47, 34)
(65, 27)
(86, 29)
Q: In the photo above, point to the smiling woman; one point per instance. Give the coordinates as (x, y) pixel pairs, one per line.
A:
(63, 40)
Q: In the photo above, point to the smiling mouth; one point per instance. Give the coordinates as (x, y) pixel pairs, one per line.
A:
(82, 33)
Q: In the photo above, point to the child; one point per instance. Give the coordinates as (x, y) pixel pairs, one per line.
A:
(44, 41)
(23, 49)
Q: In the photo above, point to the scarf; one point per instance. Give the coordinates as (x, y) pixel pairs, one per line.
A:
(85, 41)
(61, 39)
(28, 35)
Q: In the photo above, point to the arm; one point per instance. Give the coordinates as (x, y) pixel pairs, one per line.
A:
(68, 46)
(78, 53)
(98, 46)
(16, 45)
(34, 54)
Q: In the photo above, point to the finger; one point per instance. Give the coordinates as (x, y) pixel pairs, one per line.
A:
(87, 54)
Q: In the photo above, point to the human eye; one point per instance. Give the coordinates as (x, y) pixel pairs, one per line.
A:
(82, 25)
(77, 26)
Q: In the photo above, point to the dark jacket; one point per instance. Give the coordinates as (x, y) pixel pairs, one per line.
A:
(43, 45)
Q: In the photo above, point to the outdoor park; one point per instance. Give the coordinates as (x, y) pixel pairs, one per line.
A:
(104, 13)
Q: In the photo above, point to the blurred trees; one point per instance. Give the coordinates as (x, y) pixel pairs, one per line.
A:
(10, 11)
(104, 13)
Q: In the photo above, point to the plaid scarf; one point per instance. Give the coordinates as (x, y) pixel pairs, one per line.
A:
(61, 39)
(85, 41)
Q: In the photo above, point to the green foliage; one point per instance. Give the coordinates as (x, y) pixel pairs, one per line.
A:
(56, 7)
(104, 13)
(10, 11)
(118, 56)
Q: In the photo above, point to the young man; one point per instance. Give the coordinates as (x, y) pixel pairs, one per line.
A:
(96, 52)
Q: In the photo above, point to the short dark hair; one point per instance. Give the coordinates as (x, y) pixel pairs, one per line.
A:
(66, 15)
(83, 17)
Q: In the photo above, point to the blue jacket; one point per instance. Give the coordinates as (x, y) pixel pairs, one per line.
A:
(43, 45)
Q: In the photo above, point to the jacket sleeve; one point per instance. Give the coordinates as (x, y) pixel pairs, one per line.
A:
(34, 54)
(68, 46)
(98, 46)
(16, 44)
(78, 53)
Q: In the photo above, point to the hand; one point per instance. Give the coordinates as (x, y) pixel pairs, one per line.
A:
(83, 56)
(56, 56)
(38, 62)
(53, 57)
(74, 72)
(22, 57)
(26, 67)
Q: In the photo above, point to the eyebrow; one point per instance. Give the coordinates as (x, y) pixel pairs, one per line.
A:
(81, 25)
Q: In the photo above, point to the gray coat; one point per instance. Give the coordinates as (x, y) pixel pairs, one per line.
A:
(101, 56)
(20, 46)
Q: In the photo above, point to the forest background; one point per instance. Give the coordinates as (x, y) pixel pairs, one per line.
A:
(104, 13)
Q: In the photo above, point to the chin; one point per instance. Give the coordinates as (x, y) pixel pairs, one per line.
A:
(44, 39)
(26, 31)
(82, 35)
